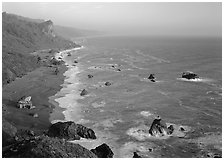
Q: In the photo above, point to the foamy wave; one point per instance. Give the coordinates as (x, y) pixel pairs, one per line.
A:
(146, 113)
(195, 80)
(69, 94)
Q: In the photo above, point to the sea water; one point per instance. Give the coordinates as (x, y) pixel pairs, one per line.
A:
(118, 112)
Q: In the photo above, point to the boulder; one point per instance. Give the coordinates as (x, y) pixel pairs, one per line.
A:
(46, 147)
(84, 92)
(70, 131)
(159, 128)
(68, 54)
(136, 155)
(151, 76)
(103, 151)
(25, 102)
(90, 76)
(189, 75)
(107, 84)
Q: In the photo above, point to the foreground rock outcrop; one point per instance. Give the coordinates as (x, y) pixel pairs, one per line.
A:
(8, 133)
(103, 151)
(159, 128)
(70, 131)
(46, 147)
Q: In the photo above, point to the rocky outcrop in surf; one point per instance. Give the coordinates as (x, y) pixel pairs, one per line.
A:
(103, 151)
(189, 75)
(159, 128)
(84, 92)
(46, 147)
(152, 77)
(70, 131)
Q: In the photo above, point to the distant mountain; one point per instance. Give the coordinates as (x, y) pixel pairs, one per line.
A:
(20, 36)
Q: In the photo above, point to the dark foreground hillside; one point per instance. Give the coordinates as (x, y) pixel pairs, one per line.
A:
(21, 36)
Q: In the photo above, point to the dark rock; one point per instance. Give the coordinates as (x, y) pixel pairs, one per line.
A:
(150, 149)
(182, 129)
(152, 80)
(25, 102)
(75, 61)
(70, 131)
(159, 128)
(56, 71)
(90, 76)
(118, 69)
(136, 155)
(189, 75)
(46, 147)
(84, 92)
(103, 151)
(170, 129)
(151, 76)
(107, 84)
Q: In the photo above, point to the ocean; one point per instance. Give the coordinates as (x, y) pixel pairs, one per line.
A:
(122, 112)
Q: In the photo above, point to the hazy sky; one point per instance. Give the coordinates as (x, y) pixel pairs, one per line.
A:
(192, 19)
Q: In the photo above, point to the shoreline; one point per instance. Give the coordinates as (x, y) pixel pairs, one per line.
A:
(68, 91)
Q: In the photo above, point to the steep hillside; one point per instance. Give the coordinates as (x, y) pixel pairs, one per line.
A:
(21, 36)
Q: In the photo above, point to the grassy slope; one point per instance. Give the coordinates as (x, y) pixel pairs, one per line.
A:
(21, 36)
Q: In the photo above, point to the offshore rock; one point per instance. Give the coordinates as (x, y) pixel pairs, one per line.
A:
(107, 84)
(84, 92)
(189, 75)
(159, 128)
(90, 76)
(103, 151)
(46, 147)
(70, 131)
(136, 155)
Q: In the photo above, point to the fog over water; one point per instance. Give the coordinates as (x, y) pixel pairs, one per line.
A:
(148, 18)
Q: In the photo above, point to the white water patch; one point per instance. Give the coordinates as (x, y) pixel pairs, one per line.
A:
(98, 104)
(63, 53)
(128, 148)
(70, 93)
(195, 80)
(146, 113)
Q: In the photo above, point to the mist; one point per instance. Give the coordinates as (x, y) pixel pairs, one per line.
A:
(163, 19)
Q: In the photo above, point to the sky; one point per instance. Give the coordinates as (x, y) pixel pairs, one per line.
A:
(136, 18)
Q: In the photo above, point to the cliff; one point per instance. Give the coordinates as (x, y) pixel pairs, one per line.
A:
(21, 36)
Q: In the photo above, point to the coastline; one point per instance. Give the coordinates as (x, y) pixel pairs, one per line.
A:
(65, 100)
